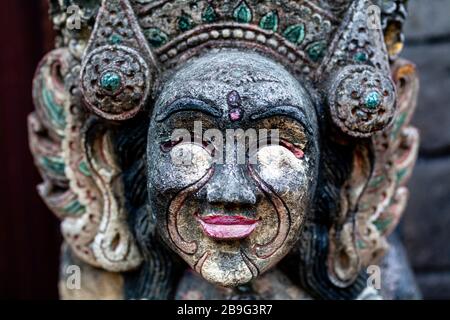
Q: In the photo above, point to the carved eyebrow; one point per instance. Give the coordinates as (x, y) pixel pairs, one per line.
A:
(292, 112)
(187, 104)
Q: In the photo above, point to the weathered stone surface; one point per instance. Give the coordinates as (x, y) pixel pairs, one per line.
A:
(427, 19)
(127, 191)
(426, 222)
(434, 285)
(433, 113)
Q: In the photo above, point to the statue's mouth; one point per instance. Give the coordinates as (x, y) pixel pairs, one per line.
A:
(225, 227)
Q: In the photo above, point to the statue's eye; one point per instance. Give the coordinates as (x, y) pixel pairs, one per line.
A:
(296, 150)
(209, 146)
(276, 161)
(167, 146)
(191, 155)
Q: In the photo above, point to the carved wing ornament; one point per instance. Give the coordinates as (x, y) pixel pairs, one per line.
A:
(107, 74)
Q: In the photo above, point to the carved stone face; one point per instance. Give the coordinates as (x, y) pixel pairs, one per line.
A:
(230, 219)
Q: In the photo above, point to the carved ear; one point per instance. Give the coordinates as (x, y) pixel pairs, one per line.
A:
(114, 245)
(343, 258)
(118, 68)
(361, 95)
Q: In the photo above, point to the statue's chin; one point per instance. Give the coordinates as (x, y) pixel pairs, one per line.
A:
(226, 269)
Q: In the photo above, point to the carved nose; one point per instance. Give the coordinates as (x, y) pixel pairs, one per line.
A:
(230, 186)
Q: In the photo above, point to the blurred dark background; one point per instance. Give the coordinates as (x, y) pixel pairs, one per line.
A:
(29, 233)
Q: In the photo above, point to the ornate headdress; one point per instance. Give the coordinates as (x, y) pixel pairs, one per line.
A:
(107, 71)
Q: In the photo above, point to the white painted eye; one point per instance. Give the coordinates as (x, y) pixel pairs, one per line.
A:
(191, 159)
(277, 166)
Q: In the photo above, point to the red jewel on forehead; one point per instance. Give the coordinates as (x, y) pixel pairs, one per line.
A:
(234, 106)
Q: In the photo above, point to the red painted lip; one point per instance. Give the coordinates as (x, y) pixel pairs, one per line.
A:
(228, 220)
(227, 227)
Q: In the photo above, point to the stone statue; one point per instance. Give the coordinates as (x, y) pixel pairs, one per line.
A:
(139, 113)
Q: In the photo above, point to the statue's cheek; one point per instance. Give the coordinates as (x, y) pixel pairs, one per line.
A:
(286, 174)
(183, 165)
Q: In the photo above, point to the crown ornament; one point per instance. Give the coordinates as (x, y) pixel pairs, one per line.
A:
(129, 44)
(118, 68)
(361, 95)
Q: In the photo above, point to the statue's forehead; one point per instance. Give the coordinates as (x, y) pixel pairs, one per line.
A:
(260, 82)
(234, 67)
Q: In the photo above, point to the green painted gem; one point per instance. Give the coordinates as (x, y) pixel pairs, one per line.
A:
(185, 23)
(155, 37)
(376, 182)
(84, 169)
(55, 110)
(399, 122)
(54, 164)
(360, 244)
(115, 39)
(295, 33)
(383, 224)
(372, 100)
(360, 57)
(209, 15)
(316, 50)
(243, 13)
(111, 81)
(269, 21)
(401, 174)
(75, 208)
